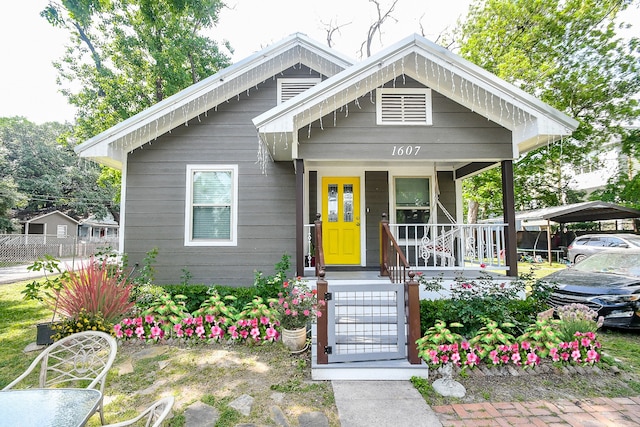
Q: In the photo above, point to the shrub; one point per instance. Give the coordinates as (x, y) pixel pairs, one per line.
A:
(237, 298)
(166, 311)
(491, 336)
(194, 295)
(97, 287)
(83, 321)
(268, 287)
(487, 296)
(577, 318)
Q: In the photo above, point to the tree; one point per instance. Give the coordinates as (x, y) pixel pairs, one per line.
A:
(47, 174)
(376, 26)
(10, 197)
(568, 54)
(624, 187)
(126, 55)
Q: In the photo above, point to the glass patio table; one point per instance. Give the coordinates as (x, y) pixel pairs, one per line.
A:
(48, 407)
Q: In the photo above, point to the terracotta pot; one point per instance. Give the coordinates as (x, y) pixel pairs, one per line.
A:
(295, 339)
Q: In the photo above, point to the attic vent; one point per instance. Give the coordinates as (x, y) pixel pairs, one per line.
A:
(404, 107)
(288, 88)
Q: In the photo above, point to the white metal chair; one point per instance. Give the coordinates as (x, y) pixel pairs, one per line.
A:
(78, 360)
(154, 415)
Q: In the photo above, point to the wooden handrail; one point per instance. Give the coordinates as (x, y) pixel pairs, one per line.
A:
(393, 262)
(319, 249)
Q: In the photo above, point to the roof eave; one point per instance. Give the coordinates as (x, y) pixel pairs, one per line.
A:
(162, 117)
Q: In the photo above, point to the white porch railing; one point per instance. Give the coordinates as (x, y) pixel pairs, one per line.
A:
(452, 246)
(309, 254)
(440, 246)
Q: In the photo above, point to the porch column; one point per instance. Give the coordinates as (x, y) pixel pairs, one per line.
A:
(300, 238)
(508, 207)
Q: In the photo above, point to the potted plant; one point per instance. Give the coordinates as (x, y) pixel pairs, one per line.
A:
(46, 291)
(296, 306)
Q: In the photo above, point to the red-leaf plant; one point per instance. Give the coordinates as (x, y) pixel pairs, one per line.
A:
(96, 287)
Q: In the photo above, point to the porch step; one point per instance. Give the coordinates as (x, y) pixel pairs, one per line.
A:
(381, 370)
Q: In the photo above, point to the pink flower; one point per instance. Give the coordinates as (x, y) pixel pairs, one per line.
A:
(455, 358)
(128, 333)
(200, 331)
(483, 265)
(306, 313)
(118, 330)
(515, 358)
(140, 332)
(532, 359)
(216, 332)
(209, 318)
(472, 359)
(575, 355)
(593, 356)
(525, 346)
(156, 332)
(148, 319)
(264, 320)
(272, 334)
(255, 333)
(233, 331)
(465, 345)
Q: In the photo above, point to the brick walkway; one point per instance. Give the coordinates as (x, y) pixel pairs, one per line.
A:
(595, 412)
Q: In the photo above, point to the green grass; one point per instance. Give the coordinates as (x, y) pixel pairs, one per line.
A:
(216, 374)
(18, 319)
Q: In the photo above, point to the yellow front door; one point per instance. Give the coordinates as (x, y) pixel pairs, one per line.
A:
(341, 220)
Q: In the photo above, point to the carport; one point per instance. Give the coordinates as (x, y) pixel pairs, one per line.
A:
(576, 212)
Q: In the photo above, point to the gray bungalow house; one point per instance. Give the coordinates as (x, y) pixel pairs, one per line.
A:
(229, 174)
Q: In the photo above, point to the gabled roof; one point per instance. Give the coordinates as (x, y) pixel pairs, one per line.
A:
(532, 122)
(43, 216)
(111, 146)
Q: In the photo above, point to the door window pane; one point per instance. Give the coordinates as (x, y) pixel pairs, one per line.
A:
(347, 202)
(332, 202)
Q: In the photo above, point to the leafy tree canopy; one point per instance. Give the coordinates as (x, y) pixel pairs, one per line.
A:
(39, 173)
(568, 53)
(126, 55)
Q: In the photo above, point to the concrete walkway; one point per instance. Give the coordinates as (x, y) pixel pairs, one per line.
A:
(19, 273)
(381, 403)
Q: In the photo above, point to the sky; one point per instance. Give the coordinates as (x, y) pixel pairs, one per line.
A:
(29, 44)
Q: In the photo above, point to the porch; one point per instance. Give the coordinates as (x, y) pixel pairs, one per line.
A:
(371, 317)
(427, 248)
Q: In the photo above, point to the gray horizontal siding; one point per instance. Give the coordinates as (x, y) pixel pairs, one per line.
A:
(457, 133)
(156, 184)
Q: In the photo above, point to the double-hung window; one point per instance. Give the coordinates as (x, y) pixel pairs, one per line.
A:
(212, 205)
(412, 203)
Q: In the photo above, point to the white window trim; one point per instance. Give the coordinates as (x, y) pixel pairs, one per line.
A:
(314, 80)
(233, 241)
(403, 91)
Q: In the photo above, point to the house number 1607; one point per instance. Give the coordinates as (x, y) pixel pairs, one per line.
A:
(406, 150)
